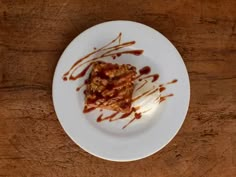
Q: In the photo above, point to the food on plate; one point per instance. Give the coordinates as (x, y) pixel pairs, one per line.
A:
(115, 87)
(110, 86)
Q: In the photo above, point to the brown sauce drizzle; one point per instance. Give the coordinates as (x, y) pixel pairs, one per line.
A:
(163, 98)
(136, 116)
(107, 52)
(154, 91)
(145, 70)
(100, 118)
(154, 77)
(78, 88)
(141, 85)
(75, 65)
(160, 99)
(125, 115)
(172, 82)
(147, 110)
(168, 83)
(86, 110)
(112, 116)
(84, 84)
(118, 54)
(112, 51)
(140, 96)
(81, 74)
(162, 89)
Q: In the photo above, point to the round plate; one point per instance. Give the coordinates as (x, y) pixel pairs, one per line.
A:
(143, 137)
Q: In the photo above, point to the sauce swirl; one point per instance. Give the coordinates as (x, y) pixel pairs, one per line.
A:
(108, 51)
(112, 50)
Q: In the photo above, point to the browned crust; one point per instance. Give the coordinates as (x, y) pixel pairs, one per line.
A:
(110, 86)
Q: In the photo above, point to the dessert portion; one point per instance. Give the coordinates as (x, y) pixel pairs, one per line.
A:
(146, 96)
(110, 86)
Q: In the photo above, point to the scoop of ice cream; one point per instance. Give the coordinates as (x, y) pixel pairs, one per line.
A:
(146, 96)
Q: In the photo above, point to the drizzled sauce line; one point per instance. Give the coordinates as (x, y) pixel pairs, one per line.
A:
(78, 88)
(140, 96)
(84, 84)
(143, 71)
(168, 83)
(107, 52)
(160, 99)
(118, 54)
(136, 116)
(154, 77)
(123, 116)
(113, 118)
(87, 110)
(100, 118)
(141, 85)
(90, 54)
(163, 98)
(111, 49)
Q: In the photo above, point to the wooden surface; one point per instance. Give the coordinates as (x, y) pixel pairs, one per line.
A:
(33, 34)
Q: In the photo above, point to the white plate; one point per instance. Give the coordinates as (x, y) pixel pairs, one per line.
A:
(149, 134)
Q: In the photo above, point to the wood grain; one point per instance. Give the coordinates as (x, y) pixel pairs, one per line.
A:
(33, 35)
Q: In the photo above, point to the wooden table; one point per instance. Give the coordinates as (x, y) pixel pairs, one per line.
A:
(33, 35)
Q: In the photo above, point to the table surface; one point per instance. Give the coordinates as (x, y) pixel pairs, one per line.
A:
(33, 34)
